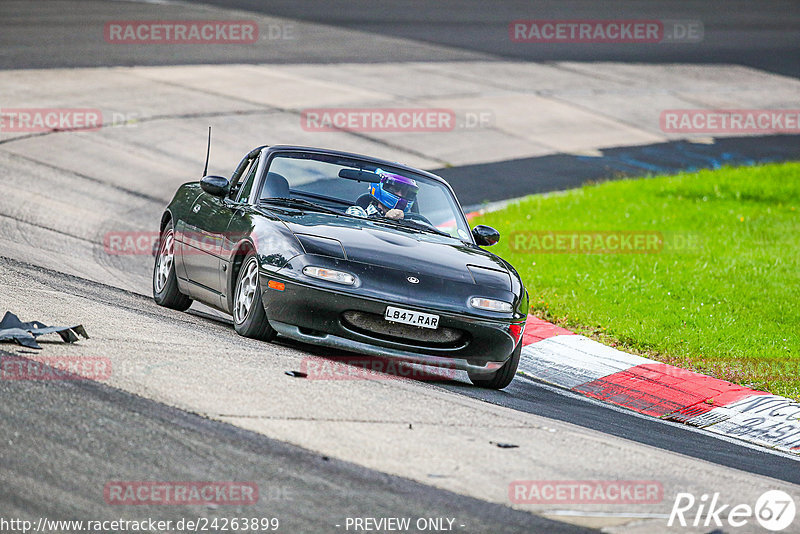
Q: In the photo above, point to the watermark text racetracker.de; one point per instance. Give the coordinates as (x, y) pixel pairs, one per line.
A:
(605, 31)
(37, 120)
(393, 119)
(55, 368)
(187, 243)
(144, 243)
(137, 243)
(29, 120)
(181, 32)
(371, 368)
(602, 242)
(585, 492)
(709, 121)
(180, 493)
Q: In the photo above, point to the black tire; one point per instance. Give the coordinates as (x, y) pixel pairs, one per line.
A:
(503, 376)
(165, 282)
(252, 322)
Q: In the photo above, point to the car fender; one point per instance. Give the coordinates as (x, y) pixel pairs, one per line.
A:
(274, 244)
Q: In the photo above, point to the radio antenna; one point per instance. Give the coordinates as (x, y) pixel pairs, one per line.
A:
(208, 152)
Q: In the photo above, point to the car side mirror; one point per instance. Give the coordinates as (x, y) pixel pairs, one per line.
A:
(215, 185)
(485, 236)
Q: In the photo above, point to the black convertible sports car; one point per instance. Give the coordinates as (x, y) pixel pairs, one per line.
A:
(344, 251)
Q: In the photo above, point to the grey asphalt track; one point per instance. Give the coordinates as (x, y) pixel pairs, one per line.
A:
(65, 440)
(65, 456)
(61, 441)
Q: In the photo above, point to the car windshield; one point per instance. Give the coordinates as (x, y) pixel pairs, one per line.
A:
(318, 178)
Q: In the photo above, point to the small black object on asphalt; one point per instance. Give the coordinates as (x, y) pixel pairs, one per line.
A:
(505, 445)
(12, 329)
(296, 374)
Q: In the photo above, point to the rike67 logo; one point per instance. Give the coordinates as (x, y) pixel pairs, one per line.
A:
(774, 510)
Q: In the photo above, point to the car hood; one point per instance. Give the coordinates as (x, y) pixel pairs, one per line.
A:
(385, 245)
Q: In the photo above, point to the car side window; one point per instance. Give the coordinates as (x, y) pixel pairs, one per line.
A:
(247, 183)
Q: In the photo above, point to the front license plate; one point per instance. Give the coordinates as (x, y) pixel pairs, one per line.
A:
(424, 320)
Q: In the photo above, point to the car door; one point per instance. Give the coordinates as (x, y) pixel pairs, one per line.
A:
(240, 225)
(204, 241)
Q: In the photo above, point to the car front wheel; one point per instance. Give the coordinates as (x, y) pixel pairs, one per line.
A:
(249, 318)
(503, 376)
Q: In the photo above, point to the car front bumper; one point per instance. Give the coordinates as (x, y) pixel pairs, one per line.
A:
(342, 343)
(313, 314)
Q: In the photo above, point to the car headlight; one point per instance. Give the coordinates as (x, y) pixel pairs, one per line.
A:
(490, 304)
(330, 275)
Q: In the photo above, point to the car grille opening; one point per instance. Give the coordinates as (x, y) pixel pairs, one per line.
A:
(375, 325)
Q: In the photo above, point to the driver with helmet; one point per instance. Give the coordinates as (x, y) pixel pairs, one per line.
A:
(392, 197)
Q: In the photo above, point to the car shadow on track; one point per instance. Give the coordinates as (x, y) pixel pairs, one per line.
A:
(332, 364)
(323, 363)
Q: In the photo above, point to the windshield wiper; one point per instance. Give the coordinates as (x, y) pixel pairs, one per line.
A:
(414, 225)
(424, 226)
(300, 204)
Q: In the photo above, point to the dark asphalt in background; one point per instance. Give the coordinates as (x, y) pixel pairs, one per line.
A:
(47, 34)
(60, 442)
(64, 33)
(515, 178)
(762, 34)
(63, 440)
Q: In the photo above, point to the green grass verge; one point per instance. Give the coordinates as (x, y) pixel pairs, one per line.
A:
(721, 296)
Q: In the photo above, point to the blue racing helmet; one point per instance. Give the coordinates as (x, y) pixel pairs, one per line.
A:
(394, 190)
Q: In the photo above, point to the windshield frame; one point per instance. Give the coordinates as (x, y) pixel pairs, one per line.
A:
(269, 153)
